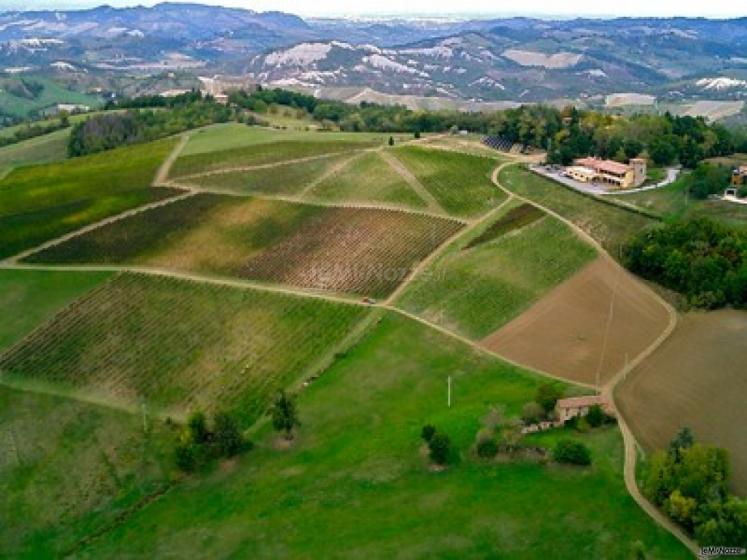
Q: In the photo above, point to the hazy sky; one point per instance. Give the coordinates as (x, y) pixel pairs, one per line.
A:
(711, 8)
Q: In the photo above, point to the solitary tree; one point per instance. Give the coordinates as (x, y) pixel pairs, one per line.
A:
(284, 415)
(391, 140)
(547, 395)
(428, 432)
(228, 439)
(198, 427)
(595, 416)
(440, 448)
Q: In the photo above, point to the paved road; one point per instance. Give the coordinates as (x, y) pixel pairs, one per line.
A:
(598, 189)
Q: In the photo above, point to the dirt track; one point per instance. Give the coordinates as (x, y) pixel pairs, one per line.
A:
(587, 326)
(696, 378)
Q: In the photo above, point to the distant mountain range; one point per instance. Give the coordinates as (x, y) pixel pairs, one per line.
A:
(509, 60)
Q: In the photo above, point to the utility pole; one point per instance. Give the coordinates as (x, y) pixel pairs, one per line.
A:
(448, 392)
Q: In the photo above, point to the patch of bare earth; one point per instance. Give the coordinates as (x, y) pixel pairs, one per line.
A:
(696, 378)
(586, 328)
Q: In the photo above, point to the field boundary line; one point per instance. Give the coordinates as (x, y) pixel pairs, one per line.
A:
(162, 174)
(312, 201)
(401, 169)
(481, 349)
(14, 259)
(240, 168)
(193, 277)
(441, 249)
(329, 173)
(629, 442)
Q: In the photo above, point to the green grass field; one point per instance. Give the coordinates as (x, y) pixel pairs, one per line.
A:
(673, 202)
(368, 178)
(355, 483)
(230, 348)
(459, 182)
(69, 469)
(268, 152)
(610, 225)
(287, 179)
(475, 290)
(38, 203)
(42, 149)
(229, 136)
(28, 297)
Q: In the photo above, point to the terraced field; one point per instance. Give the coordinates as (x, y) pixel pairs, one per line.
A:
(266, 153)
(284, 179)
(42, 202)
(363, 251)
(609, 225)
(459, 182)
(229, 348)
(367, 178)
(481, 283)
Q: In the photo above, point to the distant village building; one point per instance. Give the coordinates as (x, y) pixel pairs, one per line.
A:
(739, 176)
(620, 175)
(565, 409)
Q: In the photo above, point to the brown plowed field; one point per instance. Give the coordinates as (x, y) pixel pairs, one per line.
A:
(564, 332)
(697, 378)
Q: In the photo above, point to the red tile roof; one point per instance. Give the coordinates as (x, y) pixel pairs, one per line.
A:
(604, 165)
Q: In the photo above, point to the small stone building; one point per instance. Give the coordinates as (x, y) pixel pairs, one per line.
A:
(566, 409)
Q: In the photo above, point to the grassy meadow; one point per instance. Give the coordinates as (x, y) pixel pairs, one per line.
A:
(29, 297)
(356, 484)
(459, 182)
(475, 289)
(69, 469)
(42, 149)
(41, 202)
(230, 136)
(610, 225)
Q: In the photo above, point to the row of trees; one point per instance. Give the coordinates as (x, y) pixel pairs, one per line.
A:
(689, 481)
(700, 258)
(565, 134)
(110, 130)
(34, 130)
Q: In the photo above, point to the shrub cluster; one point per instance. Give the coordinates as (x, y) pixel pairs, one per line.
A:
(700, 258)
(689, 481)
(198, 444)
(572, 452)
(439, 444)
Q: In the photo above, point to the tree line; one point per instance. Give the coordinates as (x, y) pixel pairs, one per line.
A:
(34, 130)
(700, 258)
(565, 133)
(145, 120)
